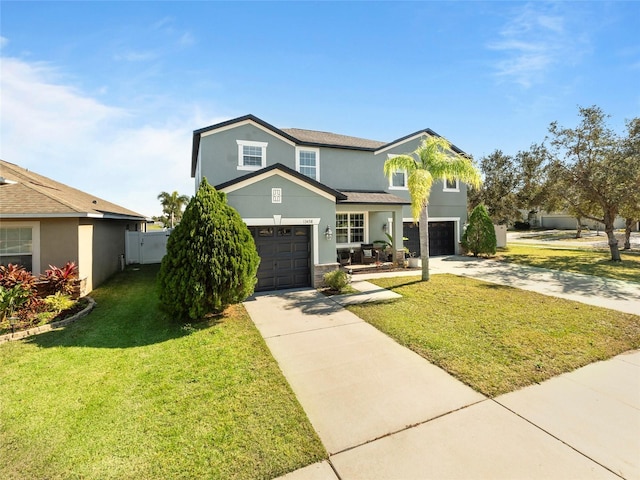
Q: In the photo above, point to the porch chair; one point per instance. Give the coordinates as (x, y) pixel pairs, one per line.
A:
(344, 257)
(368, 253)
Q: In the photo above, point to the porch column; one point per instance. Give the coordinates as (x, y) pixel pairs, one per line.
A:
(397, 234)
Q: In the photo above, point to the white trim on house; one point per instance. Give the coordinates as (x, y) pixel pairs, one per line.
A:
(248, 143)
(395, 144)
(403, 171)
(35, 242)
(365, 226)
(317, 166)
(246, 122)
(277, 220)
(9, 216)
(449, 189)
(291, 178)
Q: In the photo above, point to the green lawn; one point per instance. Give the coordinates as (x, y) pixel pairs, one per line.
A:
(587, 261)
(125, 394)
(495, 338)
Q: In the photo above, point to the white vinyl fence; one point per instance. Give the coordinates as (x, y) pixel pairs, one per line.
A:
(146, 247)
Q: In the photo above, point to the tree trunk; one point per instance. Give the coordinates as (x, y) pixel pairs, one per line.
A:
(613, 241)
(627, 233)
(579, 227)
(424, 242)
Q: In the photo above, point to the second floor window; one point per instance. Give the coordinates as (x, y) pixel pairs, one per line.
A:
(308, 162)
(398, 180)
(451, 186)
(251, 155)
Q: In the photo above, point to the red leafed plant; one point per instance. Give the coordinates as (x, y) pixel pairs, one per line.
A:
(62, 278)
(18, 293)
(12, 275)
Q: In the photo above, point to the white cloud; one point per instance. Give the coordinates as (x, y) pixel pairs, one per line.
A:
(3, 41)
(533, 42)
(55, 130)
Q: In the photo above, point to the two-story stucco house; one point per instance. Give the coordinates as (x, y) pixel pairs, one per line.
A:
(306, 195)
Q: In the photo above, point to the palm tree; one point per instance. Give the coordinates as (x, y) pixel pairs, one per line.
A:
(433, 160)
(172, 204)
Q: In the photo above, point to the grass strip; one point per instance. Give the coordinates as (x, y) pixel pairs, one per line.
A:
(125, 393)
(494, 338)
(586, 261)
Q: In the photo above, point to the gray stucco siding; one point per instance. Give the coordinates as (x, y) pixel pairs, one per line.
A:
(219, 152)
(351, 170)
(254, 202)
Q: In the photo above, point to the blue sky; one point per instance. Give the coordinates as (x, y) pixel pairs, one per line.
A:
(104, 96)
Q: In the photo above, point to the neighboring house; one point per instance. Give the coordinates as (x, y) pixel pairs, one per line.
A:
(564, 221)
(307, 195)
(44, 222)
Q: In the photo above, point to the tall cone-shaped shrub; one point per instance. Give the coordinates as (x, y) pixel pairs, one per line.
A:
(211, 259)
(480, 236)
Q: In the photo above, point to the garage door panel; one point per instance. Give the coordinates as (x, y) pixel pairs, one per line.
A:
(441, 238)
(284, 257)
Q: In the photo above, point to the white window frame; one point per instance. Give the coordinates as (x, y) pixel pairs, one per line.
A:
(404, 171)
(249, 143)
(35, 242)
(365, 226)
(449, 189)
(396, 187)
(308, 149)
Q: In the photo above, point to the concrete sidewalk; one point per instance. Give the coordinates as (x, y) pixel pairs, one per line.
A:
(384, 412)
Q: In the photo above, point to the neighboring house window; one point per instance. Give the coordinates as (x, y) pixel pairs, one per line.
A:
(308, 162)
(451, 186)
(20, 244)
(251, 155)
(349, 227)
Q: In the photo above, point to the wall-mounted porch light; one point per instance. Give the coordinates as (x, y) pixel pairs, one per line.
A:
(328, 234)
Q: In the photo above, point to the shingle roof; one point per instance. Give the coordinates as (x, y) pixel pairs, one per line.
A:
(331, 139)
(300, 136)
(373, 198)
(26, 193)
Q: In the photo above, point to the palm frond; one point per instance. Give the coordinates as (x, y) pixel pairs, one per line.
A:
(419, 184)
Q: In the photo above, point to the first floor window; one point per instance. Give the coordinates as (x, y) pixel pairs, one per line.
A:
(349, 227)
(251, 155)
(16, 246)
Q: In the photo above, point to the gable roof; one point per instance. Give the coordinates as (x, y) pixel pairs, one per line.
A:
(310, 138)
(328, 139)
(278, 167)
(27, 194)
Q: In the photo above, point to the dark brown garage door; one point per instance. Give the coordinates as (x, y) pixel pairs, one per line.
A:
(441, 238)
(284, 257)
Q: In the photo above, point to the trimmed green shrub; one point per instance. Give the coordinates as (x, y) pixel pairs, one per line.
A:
(480, 236)
(211, 259)
(336, 280)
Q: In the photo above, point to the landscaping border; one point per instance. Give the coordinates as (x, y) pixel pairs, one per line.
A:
(9, 337)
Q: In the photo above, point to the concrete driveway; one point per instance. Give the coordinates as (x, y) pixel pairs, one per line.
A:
(383, 412)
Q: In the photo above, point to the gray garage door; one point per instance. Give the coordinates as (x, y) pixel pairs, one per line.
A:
(441, 238)
(284, 257)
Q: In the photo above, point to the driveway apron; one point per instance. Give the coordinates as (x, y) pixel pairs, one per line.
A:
(354, 382)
